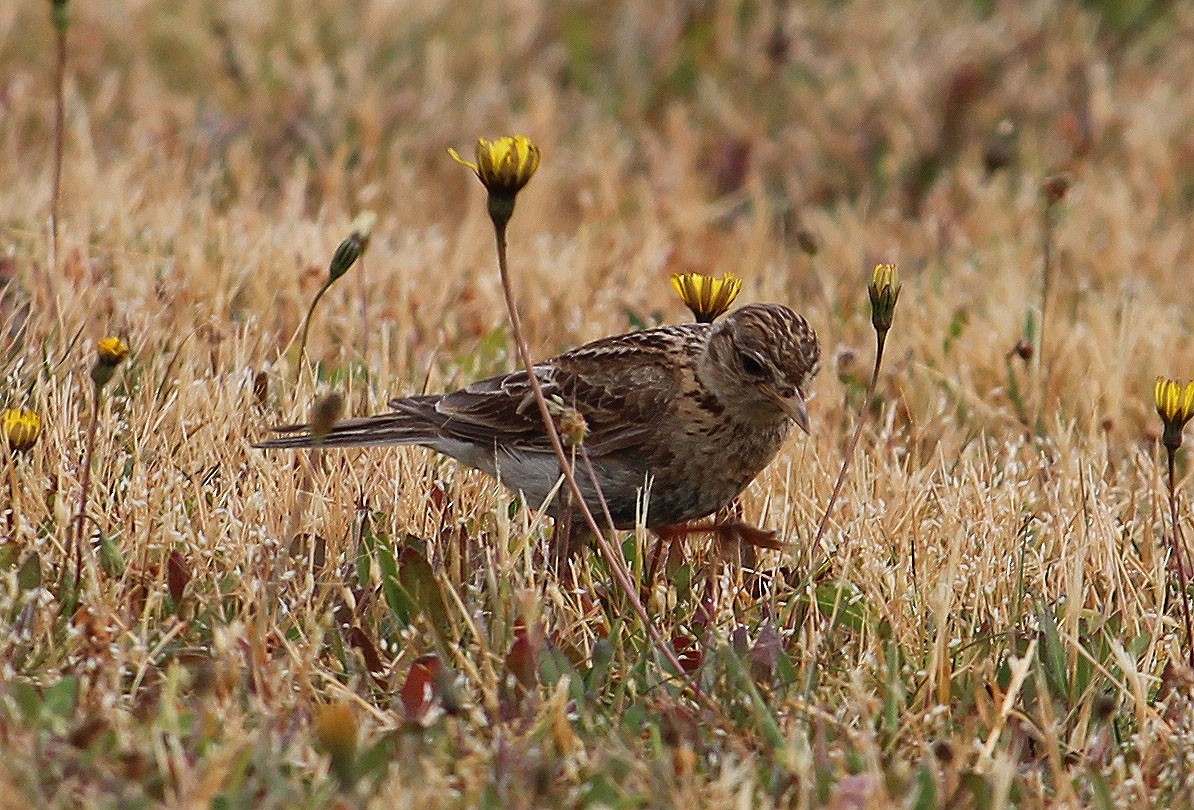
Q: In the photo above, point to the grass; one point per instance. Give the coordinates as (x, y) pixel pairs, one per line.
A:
(998, 624)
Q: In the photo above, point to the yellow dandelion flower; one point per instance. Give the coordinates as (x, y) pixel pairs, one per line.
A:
(110, 353)
(503, 166)
(20, 428)
(1175, 406)
(112, 350)
(706, 296)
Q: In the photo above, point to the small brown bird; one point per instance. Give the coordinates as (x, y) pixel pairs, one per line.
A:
(677, 420)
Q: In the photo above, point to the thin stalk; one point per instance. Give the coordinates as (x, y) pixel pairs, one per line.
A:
(307, 327)
(607, 549)
(1179, 551)
(1046, 288)
(363, 292)
(881, 341)
(59, 126)
(88, 454)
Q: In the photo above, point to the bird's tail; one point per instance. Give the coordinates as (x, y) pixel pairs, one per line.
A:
(370, 431)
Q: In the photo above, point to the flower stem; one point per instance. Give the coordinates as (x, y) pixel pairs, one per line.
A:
(88, 454)
(59, 126)
(1179, 552)
(307, 327)
(823, 526)
(1042, 367)
(881, 341)
(603, 543)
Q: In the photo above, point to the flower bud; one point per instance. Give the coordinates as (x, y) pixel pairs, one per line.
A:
(884, 291)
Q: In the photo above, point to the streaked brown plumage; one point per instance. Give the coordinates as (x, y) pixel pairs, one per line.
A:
(687, 414)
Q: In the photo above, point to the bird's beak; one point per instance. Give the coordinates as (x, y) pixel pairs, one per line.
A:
(792, 404)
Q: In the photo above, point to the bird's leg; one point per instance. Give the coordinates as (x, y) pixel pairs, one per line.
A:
(666, 539)
(569, 538)
(657, 556)
(732, 531)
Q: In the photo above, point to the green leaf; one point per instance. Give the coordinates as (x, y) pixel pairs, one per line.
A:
(27, 700)
(785, 669)
(397, 600)
(926, 790)
(1099, 789)
(979, 789)
(894, 693)
(768, 725)
(601, 791)
(843, 601)
(553, 665)
(603, 654)
(630, 552)
(29, 577)
(61, 698)
(111, 557)
(418, 580)
(374, 761)
(1052, 654)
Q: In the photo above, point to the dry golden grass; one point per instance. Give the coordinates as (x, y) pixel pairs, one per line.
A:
(1007, 632)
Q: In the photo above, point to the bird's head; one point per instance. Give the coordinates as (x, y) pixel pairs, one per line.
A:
(759, 361)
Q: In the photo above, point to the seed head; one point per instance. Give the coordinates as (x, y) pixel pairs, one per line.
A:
(353, 247)
(569, 421)
(325, 413)
(572, 427)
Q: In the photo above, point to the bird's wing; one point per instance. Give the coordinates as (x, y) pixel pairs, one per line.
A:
(623, 386)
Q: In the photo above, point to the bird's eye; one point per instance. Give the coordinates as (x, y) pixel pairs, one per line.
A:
(752, 365)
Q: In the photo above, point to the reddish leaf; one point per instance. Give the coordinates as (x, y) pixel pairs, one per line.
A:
(522, 660)
(690, 654)
(138, 596)
(359, 639)
(765, 654)
(419, 692)
(178, 574)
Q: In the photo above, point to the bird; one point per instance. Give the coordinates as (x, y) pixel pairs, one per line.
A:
(677, 419)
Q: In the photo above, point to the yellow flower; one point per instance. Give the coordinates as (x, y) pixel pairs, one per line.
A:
(503, 166)
(884, 291)
(112, 351)
(1175, 406)
(706, 296)
(335, 729)
(20, 428)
